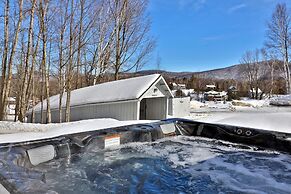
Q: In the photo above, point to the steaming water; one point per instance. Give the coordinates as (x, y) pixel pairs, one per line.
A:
(174, 165)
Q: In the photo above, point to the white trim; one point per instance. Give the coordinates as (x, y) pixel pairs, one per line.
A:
(138, 110)
(155, 83)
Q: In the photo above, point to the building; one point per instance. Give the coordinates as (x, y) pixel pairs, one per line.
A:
(10, 111)
(179, 107)
(232, 93)
(139, 98)
(11, 106)
(178, 86)
(180, 90)
(212, 95)
(210, 87)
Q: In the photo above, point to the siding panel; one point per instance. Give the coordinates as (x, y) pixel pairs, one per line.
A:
(119, 110)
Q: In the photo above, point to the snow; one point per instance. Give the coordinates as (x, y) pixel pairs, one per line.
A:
(126, 89)
(210, 86)
(257, 114)
(218, 105)
(249, 113)
(254, 90)
(271, 121)
(284, 100)
(251, 103)
(20, 132)
(210, 106)
(194, 104)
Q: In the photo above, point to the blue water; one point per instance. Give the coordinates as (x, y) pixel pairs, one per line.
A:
(174, 165)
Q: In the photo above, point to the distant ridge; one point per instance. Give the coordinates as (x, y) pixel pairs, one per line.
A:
(231, 72)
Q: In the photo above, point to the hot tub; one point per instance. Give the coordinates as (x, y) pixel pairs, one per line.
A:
(171, 156)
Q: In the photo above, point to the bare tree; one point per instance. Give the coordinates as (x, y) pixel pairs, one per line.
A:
(69, 67)
(4, 60)
(131, 43)
(67, 40)
(270, 59)
(25, 81)
(43, 8)
(8, 75)
(251, 71)
(279, 38)
(33, 80)
(63, 19)
(80, 39)
(158, 62)
(101, 49)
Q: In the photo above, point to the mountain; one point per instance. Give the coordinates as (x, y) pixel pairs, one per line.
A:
(232, 72)
(235, 72)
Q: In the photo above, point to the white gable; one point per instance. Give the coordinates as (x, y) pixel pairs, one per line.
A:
(158, 89)
(127, 89)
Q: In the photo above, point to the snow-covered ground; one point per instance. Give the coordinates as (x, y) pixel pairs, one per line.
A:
(245, 113)
(273, 121)
(235, 105)
(283, 100)
(251, 103)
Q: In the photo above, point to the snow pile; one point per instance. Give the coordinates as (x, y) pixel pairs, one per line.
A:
(19, 132)
(17, 127)
(194, 104)
(218, 105)
(284, 100)
(210, 106)
(251, 103)
(279, 121)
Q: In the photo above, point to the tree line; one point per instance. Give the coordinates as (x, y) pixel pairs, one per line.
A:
(264, 71)
(65, 45)
(273, 57)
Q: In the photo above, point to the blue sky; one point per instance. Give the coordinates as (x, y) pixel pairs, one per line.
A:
(197, 35)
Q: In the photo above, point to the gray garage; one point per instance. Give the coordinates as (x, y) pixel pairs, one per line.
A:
(139, 98)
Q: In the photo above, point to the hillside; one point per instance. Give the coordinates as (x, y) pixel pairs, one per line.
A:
(232, 72)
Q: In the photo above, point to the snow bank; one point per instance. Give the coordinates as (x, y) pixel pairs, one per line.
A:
(194, 104)
(19, 132)
(17, 127)
(251, 103)
(218, 105)
(210, 106)
(280, 121)
(284, 100)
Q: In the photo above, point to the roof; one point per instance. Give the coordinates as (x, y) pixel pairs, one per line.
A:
(210, 86)
(212, 92)
(120, 90)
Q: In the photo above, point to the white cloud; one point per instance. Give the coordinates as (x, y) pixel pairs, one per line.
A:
(193, 4)
(236, 8)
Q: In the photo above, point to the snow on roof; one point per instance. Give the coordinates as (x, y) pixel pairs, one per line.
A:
(126, 89)
(212, 92)
(210, 86)
(11, 99)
